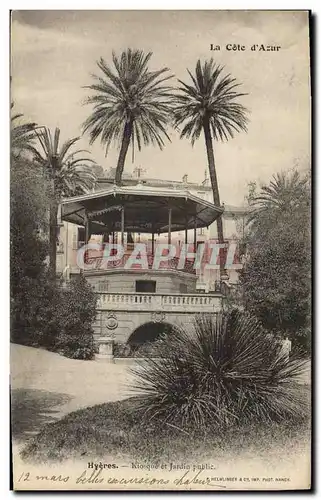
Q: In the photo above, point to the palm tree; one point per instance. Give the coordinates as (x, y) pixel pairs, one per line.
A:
(22, 135)
(208, 105)
(130, 104)
(68, 174)
(284, 191)
(282, 197)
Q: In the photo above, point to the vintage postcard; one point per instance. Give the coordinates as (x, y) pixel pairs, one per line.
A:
(160, 250)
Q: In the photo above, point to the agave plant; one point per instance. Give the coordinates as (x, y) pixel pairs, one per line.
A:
(225, 371)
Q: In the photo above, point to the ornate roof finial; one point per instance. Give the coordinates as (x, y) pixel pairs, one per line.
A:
(138, 171)
(205, 181)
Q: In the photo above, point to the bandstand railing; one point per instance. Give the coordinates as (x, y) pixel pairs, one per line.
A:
(96, 261)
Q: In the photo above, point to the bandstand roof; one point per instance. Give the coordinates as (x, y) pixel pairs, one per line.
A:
(146, 209)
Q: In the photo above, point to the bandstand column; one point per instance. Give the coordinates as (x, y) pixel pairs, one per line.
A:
(195, 238)
(186, 233)
(153, 240)
(169, 225)
(87, 228)
(87, 236)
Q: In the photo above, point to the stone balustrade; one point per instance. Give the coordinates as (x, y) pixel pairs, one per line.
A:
(159, 302)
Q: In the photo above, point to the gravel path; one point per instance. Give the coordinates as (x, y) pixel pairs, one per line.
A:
(82, 383)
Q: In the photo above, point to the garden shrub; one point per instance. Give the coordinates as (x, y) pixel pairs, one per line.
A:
(122, 350)
(145, 350)
(61, 318)
(73, 320)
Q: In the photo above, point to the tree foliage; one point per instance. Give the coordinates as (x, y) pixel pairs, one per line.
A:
(66, 319)
(276, 278)
(131, 104)
(21, 135)
(67, 172)
(212, 97)
(70, 172)
(44, 313)
(28, 249)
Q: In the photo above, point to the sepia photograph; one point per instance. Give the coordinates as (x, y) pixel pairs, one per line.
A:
(160, 250)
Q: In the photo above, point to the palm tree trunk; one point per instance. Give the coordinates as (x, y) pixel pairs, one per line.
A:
(214, 183)
(53, 221)
(123, 151)
(53, 238)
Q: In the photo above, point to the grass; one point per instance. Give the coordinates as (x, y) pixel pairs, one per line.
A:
(114, 430)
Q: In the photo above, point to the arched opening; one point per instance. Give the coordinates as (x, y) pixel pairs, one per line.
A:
(144, 337)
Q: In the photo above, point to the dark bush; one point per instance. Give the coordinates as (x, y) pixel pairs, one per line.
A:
(145, 350)
(302, 339)
(122, 350)
(72, 320)
(225, 371)
(60, 318)
(28, 249)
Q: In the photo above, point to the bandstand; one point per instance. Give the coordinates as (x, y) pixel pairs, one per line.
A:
(136, 297)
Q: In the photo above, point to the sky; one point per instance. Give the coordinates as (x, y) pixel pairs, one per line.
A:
(54, 54)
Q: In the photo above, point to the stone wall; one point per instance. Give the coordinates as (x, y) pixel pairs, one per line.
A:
(119, 325)
(125, 281)
(128, 323)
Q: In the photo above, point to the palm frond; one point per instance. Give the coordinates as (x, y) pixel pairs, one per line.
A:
(71, 172)
(284, 192)
(22, 135)
(213, 96)
(129, 92)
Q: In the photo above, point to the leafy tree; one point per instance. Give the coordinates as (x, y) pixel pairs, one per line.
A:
(28, 222)
(131, 104)
(208, 105)
(44, 313)
(27, 262)
(67, 173)
(276, 278)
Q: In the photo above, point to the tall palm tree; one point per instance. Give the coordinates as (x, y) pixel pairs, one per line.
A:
(68, 173)
(208, 104)
(131, 104)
